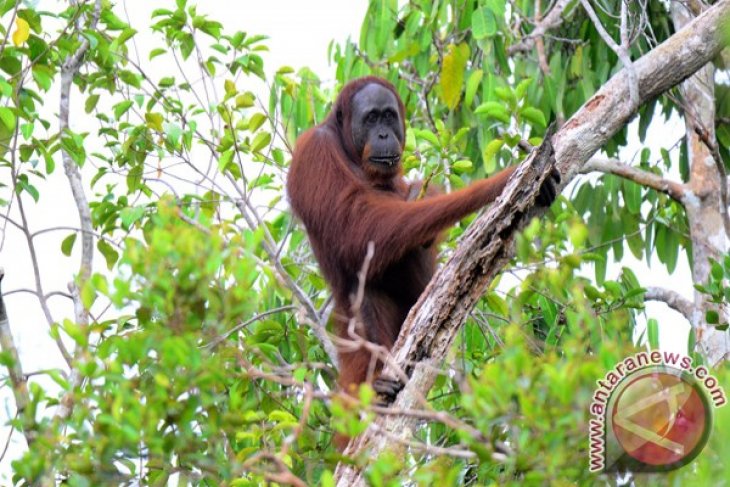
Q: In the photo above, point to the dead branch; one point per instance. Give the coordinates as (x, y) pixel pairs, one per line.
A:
(650, 180)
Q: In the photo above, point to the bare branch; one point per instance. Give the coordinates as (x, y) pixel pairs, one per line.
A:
(612, 166)
(672, 299)
(622, 51)
(69, 68)
(550, 21)
(25, 228)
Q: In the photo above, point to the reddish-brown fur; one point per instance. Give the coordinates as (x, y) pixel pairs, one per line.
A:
(344, 204)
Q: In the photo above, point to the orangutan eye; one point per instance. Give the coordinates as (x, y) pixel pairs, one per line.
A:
(371, 118)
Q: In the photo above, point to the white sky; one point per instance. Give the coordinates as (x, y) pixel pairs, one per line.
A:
(299, 32)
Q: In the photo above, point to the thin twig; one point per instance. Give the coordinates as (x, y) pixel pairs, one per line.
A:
(622, 51)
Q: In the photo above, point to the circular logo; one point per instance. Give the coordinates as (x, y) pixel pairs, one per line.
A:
(662, 418)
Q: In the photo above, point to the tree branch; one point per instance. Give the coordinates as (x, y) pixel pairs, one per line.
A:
(486, 246)
(672, 299)
(18, 379)
(550, 21)
(612, 166)
(69, 68)
(622, 50)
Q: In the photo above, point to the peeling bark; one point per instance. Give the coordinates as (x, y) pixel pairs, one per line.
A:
(486, 245)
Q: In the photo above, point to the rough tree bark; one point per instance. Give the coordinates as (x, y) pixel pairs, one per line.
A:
(486, 246)
(704, 211)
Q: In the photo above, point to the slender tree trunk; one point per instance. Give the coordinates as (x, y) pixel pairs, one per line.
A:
(704, 213)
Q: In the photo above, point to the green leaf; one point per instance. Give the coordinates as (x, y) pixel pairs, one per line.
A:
(88, 294)
(27, 130)
(472, 85)
(256, 121)
(712, 317)
(578, 233)
(7, 117)
(632, 196)
(130, 215)
(452, 73)
(483, 23)
(132, 79)
(173, 132)
(156, 52)
(154, 120)
(506, 94)
(261, 140)
(43, 76)
(428, 136)
(683, 161)
(534, 116)
(91, 102)
(126, 34)
(24, 185)
(121, 108)
(245, 100)
(225, 158)
(717, 271)
(490, 153)
(67, 244)
(521, 89)
(665, 157)
(592, 293)
(495, 110)
(497, 304)
(6, 89)
(652, 328)
(463, 165)
(672, 243)
(230, 87)
(109, 253)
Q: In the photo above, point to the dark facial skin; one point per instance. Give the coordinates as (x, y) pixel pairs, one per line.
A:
(376, 128)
